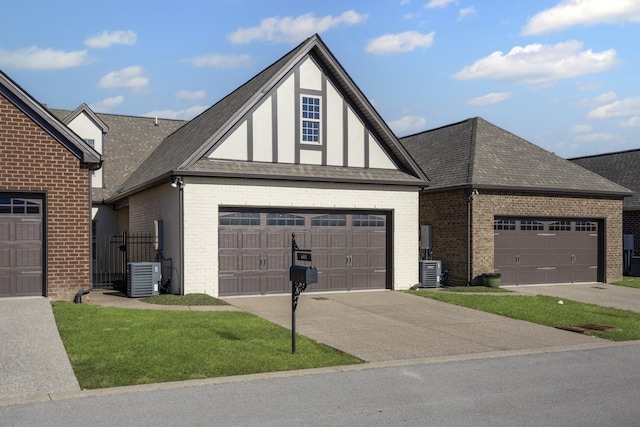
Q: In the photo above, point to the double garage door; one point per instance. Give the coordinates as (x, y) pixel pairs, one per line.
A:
(349, 249)
(21, 246)
(537, 251)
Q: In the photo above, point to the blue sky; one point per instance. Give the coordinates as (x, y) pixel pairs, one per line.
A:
(562, 74)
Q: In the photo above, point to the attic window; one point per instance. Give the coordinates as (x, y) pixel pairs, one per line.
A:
(310, 119)
(91, 142)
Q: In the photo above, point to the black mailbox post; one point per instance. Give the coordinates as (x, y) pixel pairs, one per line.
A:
(300, 277)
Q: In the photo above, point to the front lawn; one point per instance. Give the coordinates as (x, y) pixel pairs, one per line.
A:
(631, 282)
(110, 347)
(546, 310)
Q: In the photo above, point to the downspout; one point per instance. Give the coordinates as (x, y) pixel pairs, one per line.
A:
(469, 200)
(181, 236)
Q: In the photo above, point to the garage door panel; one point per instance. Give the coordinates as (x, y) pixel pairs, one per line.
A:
(277, 262)
(320, 240)
(28, 258)
(28, 284)
(228, 240)
(338, 240)
(277, 284)
(251, 262)
(5, 258)
(276, 240)
(251, 240)
(228, 263)
(28, 231)
(360, 240)
(4, 230)
(228, 285)
(250, 285)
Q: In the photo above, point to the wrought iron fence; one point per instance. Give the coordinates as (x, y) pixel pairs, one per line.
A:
(112, 253)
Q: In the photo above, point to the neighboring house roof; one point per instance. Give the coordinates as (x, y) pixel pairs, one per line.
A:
(88, 157)
(84, 109)
(129, 141)
(477, 154)
(620, 167)
(182, 152)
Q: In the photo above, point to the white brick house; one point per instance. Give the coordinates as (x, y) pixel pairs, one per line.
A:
(297, 149)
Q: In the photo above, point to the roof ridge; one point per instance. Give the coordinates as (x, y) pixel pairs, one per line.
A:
(472, 150)
(603, 154)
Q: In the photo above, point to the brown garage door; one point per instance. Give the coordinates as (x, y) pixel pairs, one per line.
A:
(20, 247)
(530, 251)
(348, 249)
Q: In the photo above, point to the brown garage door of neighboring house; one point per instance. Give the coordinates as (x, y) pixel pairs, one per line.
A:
(536, 251)
(21, 246)
(348, 249)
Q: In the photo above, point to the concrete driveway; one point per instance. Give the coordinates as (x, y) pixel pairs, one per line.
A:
(381, 326)
(33, 360)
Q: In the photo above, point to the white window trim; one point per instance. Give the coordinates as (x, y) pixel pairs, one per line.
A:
(318, 120)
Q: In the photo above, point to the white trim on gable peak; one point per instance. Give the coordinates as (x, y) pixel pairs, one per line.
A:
(272, 131)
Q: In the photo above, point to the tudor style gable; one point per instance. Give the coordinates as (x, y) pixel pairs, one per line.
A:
(304, 119)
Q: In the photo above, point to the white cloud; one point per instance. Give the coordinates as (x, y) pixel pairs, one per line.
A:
(587, 86)
(595, 137)
(408, 124)
(129, 77)
(185, 95)
(186, 114)
(581, 128)
(537, 64)
(293, 30)
(597, 100)
(109, 38)
(400, 43)
(489, 99)
(466, 12)
(633, 122)
(220, 61)
(569, 13)
(625, 107)
(35, 58)
(439, 3)
(107, 104)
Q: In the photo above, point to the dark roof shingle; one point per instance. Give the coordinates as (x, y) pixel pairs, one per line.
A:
(475, 153)
(619, 167)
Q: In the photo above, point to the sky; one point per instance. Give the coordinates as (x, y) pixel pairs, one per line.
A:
(562, 74)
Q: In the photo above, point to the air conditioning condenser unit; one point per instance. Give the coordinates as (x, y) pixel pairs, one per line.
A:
(143, 279)
(430, 272)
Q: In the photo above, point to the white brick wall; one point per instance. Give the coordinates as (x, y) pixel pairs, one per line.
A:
(202, 199)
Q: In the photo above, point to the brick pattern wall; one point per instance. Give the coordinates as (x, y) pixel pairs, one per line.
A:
(32, 161)
(447, 213)
(631, 225)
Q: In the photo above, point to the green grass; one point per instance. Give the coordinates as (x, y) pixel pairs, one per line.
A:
(472, 289)
(111, 347)
(546, 311)
(189, 299)
(631, 282)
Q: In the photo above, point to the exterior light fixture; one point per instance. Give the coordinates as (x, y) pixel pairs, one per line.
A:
(177, 182)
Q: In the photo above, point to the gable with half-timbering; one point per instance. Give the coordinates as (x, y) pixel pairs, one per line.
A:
(305, 119)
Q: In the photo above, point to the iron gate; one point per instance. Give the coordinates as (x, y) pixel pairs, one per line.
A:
(112, 253)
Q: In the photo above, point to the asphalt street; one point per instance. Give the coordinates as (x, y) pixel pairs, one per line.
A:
(597, 387)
